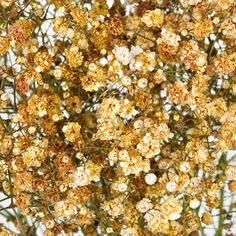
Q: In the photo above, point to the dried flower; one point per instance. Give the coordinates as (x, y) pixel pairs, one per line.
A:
(153, 18)
(117, 117)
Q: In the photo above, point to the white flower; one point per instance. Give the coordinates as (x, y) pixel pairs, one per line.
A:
(79, 155)
(151, 214)
(135, 50)
(4, 97)
(187, 3)
(138, 124)
(174, 216)
(194, 2)
(126, 80)
(127, 111)
(144, 205)
(122, 187)
(123, 155)
(16, 118)
(184, 167)
(70, 33)
(170, 38)
(142, 83)
(42, 113)
(147, 138)
(109, 230)
(150, 179)
(194, 203)
(31, 129)
(122, 54)
(81, 177)
(136, 65)
(230, 172)
(171, 186)
(113, 155)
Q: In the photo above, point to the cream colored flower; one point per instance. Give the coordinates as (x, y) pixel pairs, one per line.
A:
(230, 172)
(72, 131)
(144, 205)
(150, 178)
(153, 18)
(171, 208)
(122, 54)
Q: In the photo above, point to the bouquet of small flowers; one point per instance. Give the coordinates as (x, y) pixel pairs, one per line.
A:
(117, 117)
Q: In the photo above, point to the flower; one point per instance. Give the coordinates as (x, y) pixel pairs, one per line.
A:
(230, 172)
(118, 117)
(87, 173)
(74, 57)
(72, 131)
(153, 18)
(194, 203)
(4, 45)
(122, 54)
(171, 208)
(150, 178)
(144, 205)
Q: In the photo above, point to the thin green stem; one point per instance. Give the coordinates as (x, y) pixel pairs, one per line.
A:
(199, 222)
(221, 213)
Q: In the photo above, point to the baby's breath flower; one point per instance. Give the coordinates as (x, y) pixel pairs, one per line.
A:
(153, 18)
(122, 54)
(72, 131)
(43, 61)
(194, 203)
(150, 178)
(74, 57)
(117, 117)
(171, 208)
(144, 205)
(4, 45)
(171, 186)
(230, 172)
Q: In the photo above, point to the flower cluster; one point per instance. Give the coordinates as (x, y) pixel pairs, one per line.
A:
(118, 117)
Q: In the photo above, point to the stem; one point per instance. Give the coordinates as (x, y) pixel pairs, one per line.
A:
(199, 222)
(20, 223)
(221, 213)
(4, 199)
